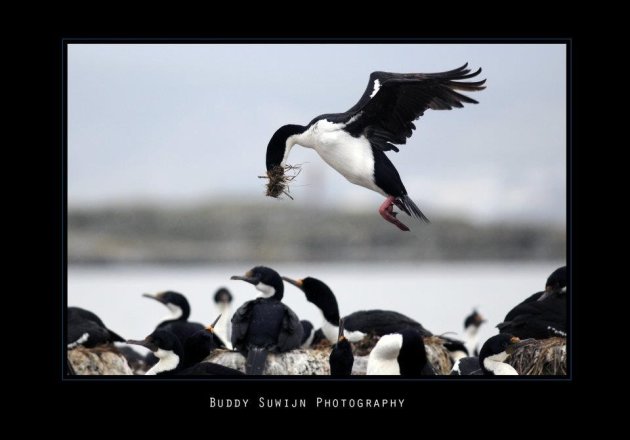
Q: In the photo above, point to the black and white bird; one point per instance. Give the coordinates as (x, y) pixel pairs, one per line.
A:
(543, 314)
(491, 360)
(341, 358)
(88, 330)
(166, 347)
(471, 332)
(308, 333)
(400, 354)
(358, 324)
(265, 324)
(354, 142)
(177, 322)
(223, 302)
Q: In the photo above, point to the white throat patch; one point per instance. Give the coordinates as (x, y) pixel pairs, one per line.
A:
(168, 362)
(176, 312)
(266, 291)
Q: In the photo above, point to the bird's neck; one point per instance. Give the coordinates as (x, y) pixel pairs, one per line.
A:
(168, 363)
(177, 313)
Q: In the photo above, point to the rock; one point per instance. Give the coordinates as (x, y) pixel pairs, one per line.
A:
(315, 361)
(294, 362)
(100, 360)
(541, 357)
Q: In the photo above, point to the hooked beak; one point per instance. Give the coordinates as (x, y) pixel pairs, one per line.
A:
(247, 278)
(516, 343)
(296, 283)
(155, 297)
(210, 328)
(147, 344)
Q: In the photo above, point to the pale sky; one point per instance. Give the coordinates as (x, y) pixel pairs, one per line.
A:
(185, 123)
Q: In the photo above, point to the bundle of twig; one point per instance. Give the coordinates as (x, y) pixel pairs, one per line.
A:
(542, 357)
(279, 180)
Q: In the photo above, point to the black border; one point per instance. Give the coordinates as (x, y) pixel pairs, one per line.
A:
(309, 386)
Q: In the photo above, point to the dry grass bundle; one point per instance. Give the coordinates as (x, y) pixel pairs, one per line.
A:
(437, 355)
(541, 357)
(279, 180)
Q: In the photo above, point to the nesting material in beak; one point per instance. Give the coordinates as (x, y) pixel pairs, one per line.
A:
(279, 180)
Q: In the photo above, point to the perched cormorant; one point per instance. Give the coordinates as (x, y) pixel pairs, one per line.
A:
(358, 324)
(491, 358)
(223, 329)
(166, 346)
(87, 329)
(542, 315)
(471, 331)
(401, 354)
(341, 358)
(177, 322)
(354, 142)
(264, 324)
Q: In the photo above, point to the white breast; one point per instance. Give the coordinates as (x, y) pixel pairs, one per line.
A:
(383, 358)
(351, 157)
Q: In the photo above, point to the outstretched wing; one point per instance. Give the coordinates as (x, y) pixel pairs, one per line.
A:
(392, 101)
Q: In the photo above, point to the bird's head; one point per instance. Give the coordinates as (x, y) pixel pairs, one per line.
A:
(557, 281)
(318, 293)
(276, 161)
(265, 279)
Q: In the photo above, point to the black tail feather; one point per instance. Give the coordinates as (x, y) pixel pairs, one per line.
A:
(413, 208)
(256, 360)
(115, 337)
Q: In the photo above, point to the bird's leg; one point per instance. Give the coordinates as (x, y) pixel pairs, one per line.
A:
(387, 212)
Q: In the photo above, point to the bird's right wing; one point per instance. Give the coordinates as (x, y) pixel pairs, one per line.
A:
(291, 331)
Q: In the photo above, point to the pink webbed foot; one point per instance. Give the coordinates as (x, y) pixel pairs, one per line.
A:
(387, 212)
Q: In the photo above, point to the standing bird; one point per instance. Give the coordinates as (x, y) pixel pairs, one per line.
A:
(264, 324)
(401, 354)
(354, 142)
(358, 324)
(223, 301)
(167, 348)
(177, 322)
(471, 330)
(491, 358)
(87, 329)
(543, 314)
(341, 358)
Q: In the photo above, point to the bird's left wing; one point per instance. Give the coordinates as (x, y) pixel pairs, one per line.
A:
(392, 101)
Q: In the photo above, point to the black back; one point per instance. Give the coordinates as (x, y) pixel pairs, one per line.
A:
(181, 329)
(81, 321)
(199, 345)
(382, 322)
(412, 358)
(341, 359)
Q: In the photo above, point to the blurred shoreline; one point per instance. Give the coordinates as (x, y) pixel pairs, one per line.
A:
(238, 232)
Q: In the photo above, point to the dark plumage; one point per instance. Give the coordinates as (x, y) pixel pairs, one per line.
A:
(491, 358)
(87, 329)
(382, 118)
(200, 344)
(166, 346)
(375, 322)
(265, 324)
(341, 358)
(543, 314)
(180, 309)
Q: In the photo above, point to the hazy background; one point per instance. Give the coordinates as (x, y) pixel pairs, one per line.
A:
(165, 143)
